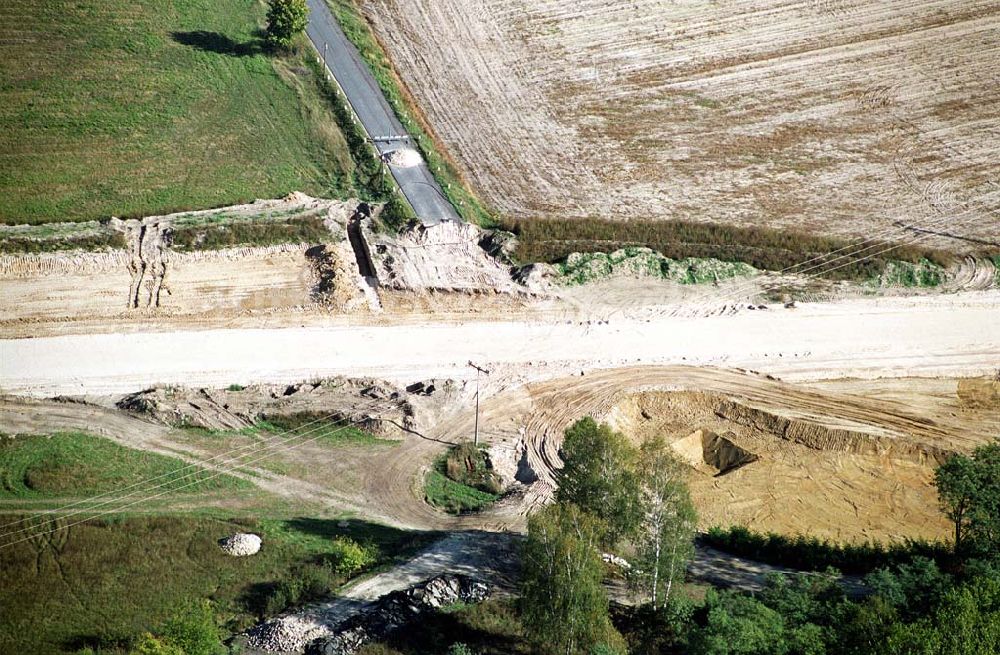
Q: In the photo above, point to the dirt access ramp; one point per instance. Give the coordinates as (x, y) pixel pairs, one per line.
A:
(173, 270)
(834, 116)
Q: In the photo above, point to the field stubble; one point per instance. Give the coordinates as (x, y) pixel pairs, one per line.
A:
(839, 117)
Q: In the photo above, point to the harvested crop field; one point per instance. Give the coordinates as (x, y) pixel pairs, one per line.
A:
(837, 117)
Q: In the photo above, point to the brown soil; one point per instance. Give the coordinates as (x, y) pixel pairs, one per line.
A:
(846, 460)
(839, 117)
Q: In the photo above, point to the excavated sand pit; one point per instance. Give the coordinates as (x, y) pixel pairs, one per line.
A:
(773, 470)
(710, 453)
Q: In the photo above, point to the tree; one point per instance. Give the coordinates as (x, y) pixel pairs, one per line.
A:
(599, 477)
(564, 607)
(969, 490)
(285, 19)
(735, 624)
(665, 539)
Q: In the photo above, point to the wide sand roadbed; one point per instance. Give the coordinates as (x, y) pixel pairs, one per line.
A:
(957, 335)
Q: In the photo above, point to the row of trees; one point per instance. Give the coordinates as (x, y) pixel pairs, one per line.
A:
(611, 497)
(615, 497)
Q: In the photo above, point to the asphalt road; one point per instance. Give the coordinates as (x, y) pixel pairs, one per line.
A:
(377, 116)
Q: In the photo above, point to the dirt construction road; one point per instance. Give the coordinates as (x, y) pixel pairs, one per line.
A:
(955, 335)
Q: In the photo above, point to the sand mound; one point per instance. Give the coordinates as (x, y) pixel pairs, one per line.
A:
(240, 544)
(404, 158)
(979, 393)
(711, 453)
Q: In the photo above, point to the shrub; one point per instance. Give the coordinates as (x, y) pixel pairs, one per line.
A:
(285, 19)
(192, 631)
(812, 554)
(460, 649)
(150, 645)
(351, 557)
(308, 583)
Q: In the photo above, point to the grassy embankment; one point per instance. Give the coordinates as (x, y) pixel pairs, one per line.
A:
(553, 240)
(128, 109)
(102, 583)
(462, 481)
(73, 463)
(304, 425)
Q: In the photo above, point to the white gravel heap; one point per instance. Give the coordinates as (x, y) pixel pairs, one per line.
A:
(287, 634)
(404, 158)
(240, 544)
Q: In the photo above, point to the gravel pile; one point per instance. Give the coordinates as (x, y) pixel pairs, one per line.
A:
(399, 609)
(240, 544)
(287, 634)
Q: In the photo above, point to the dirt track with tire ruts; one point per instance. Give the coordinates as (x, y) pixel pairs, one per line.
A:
(849, 464)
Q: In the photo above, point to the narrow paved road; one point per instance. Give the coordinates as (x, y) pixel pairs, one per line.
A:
(377, 116)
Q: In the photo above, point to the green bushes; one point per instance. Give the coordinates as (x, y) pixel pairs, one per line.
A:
(469, 465)
(552, 240)
(193, 631)
(304, 584)
(813, 554)
(350, 556)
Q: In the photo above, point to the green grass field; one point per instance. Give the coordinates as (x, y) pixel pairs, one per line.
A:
(454, 497)
(40, 466)
(121, 108)
(101, 584)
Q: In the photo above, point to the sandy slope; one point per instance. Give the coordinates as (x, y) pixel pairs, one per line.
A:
(954, 335)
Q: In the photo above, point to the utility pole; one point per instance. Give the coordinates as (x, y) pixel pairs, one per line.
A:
(478, 371)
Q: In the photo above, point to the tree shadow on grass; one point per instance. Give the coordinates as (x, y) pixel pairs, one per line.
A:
(218, 43)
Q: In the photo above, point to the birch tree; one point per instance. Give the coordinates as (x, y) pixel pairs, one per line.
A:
(564, 606)
(665, 538)
(599, 477)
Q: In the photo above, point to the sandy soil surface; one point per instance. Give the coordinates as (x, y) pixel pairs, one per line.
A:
(842, 464)
(837, 116)
(950, 335)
